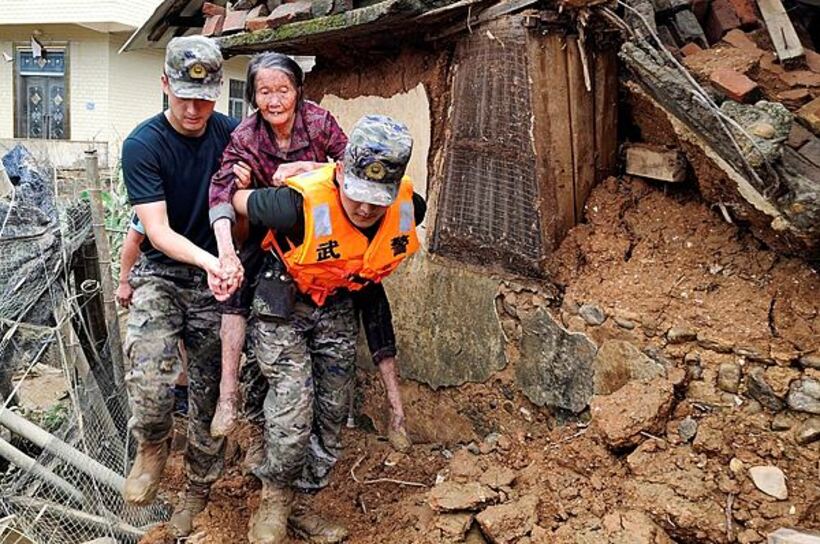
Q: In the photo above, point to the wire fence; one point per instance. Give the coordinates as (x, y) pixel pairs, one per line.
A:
(63, 472)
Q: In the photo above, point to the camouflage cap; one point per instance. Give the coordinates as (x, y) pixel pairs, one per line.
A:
(375, 159)
(193, 65)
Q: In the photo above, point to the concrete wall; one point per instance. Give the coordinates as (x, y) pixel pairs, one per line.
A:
(412, 108)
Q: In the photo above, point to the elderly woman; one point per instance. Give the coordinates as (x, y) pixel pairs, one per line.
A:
(285, 136)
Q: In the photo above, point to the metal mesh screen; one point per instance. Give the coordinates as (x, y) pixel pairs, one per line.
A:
(488, 207)
(64, 469)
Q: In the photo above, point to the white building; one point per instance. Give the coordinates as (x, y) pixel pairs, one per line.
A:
(83, 90)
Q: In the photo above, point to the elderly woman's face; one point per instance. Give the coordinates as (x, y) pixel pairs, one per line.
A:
(276, 97)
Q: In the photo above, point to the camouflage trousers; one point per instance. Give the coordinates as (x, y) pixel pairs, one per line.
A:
(309, 363)
(173, 302)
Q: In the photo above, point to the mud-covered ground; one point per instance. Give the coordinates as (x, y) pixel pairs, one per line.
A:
(736, 329)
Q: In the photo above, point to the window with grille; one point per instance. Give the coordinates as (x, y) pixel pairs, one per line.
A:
(236, 99)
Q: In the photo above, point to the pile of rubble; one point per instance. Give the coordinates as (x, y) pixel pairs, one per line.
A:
(252, 15)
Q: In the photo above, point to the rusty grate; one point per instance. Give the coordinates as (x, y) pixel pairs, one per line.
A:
(488, 206)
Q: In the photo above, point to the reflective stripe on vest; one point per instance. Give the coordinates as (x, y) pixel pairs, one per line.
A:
(335, 254)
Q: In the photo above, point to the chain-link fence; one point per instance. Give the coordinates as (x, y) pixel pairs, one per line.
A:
(64, 473)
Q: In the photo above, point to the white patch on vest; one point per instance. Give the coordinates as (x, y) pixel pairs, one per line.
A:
(321, 220)
(405, 217)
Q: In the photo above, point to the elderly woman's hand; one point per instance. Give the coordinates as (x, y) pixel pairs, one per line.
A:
(243, 175)
(290, 169)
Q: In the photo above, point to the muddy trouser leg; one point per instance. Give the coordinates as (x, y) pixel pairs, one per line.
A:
(204, 453)
(282, 352)
(333, 351)
(151, 344)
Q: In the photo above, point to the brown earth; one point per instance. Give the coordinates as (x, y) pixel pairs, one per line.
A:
(680, 284)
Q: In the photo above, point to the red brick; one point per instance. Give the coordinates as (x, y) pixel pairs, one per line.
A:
(213, 25)
(809, 115)
(720, 20)
(746, 12)
(234, 21)
(257, 23)
(737, 38)
(209, 9)
(733, 84)
(690, 49)
(259, 11)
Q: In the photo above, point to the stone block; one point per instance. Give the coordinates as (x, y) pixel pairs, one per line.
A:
(720, 20)
(686, 28)
(809, 115)
(734, 85)
(793, 536)
(555, 368)
(447, 329)
(655, 163)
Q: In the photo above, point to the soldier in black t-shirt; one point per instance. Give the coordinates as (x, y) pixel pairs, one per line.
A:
(168, 161)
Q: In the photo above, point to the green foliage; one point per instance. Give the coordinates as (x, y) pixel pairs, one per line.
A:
(117, 215)
(54, 417)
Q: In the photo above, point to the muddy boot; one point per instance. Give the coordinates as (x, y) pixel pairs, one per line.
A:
(254, 456)
(269, 524)
(224, 418)
(194, 502)
(143, 480)
(314, 528)
(399, 440)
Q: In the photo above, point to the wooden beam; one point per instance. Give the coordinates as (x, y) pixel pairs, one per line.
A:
(582, 126)
(555, 92)
(605, 82)
(784, 38)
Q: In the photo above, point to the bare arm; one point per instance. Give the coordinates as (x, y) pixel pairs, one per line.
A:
(130, 253)
(154, 217)
(240, 201)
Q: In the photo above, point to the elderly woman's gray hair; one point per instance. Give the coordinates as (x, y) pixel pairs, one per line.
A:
(273, 61)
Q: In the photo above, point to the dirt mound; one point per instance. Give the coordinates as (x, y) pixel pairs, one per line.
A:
(732, 329)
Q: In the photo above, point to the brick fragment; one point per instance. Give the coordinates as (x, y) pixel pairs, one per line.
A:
(213, 25)
(809, 115)
(794, 98)
(800, 78)
(737, 38)
(283, 14)
(720, 20)
(746, 12)
(259, 11)
(690, 49)
(257, 23)
(798, 136)
(733, 84)
(234, 21)
(209, 9)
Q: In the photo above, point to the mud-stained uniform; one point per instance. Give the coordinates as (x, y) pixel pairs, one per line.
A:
(309, 359)
(171, 300)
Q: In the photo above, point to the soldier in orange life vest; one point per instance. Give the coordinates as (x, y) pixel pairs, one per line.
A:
(335, 233)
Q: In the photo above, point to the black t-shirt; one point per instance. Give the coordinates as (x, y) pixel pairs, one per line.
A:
(159, 163)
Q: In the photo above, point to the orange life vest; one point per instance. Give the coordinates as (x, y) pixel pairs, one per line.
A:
(335, 254)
